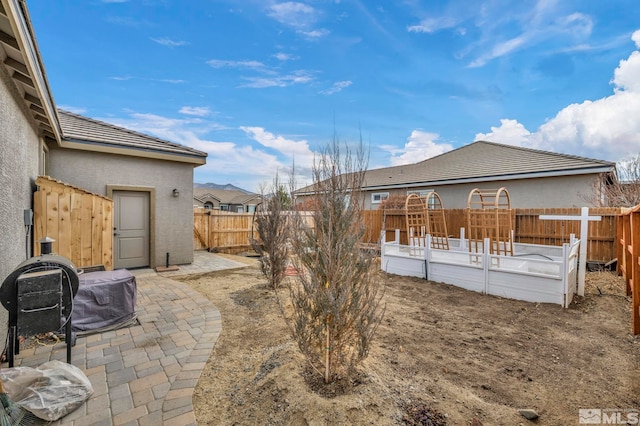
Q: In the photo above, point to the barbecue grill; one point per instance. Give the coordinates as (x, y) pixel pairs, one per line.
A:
(39, 297)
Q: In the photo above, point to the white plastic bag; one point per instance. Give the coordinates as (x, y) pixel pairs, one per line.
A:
(50, 391)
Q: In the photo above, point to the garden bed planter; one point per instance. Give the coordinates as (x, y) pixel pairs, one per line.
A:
(535, 273)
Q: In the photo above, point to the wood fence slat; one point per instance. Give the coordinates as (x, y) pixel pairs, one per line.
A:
(107, 234)
(76, 228)
(52, 220)
(96, 233)
(81, 223)
(64, 225)
(86, 217)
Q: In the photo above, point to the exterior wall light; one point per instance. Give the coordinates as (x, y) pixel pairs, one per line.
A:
(176, 192)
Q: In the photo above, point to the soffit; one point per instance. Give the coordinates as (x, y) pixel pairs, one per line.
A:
(20, 56)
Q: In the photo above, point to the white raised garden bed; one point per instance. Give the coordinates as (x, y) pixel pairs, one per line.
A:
(534, 273)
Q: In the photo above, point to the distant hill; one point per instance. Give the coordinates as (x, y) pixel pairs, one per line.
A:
(228, 187)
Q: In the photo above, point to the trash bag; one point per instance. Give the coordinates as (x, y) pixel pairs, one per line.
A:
(51, 391)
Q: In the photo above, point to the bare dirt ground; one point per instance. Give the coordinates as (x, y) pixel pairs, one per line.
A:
(442, 354)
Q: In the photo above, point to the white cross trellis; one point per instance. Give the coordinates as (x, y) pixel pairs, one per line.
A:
(584, 219)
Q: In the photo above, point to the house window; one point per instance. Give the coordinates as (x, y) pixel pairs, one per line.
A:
(424, 193)
(208, 205)
(240, 209)
(378, 197)
(224, 207)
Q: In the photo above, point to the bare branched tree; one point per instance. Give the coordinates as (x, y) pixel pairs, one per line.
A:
(394, 202)
(272, 227)
(336, 298)
(623, 190)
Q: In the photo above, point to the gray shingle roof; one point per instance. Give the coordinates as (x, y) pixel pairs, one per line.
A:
(481, 161)
(77, 128)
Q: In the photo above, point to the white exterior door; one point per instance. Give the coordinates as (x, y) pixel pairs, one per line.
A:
(130, 229)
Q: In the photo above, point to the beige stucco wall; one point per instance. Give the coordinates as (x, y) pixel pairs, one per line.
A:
(173, 220)
(553, 192)
(19, 162)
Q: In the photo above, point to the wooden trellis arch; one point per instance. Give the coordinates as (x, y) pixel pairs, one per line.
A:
(489, 215)
(425, 215)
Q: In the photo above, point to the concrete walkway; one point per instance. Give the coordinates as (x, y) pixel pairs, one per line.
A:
(145, 374)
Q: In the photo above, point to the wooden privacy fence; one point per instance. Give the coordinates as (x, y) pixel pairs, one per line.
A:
(628, 238)
(80, 222)
(528, 228)
(222, 231)
(227, 232)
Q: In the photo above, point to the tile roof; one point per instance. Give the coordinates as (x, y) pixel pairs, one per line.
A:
(225, 196)
(484, 161)
(77, 128)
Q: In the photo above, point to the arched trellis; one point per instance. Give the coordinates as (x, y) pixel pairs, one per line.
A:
(425, 215)
(489, 215)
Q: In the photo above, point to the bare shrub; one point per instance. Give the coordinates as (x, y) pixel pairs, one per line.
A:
(272, 227)
(335, 299)
(623, 190)
(394, 202)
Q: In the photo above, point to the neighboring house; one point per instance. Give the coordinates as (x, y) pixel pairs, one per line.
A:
(149, 179)
(225, 200)
(533, 178)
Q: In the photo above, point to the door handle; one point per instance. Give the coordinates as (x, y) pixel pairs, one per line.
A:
(115, 234)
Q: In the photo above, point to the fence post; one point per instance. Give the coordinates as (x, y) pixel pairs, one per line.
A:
(486, 261)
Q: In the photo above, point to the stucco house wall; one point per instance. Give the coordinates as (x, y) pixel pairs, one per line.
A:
(549, 192)
(171, 217)
(19, 164)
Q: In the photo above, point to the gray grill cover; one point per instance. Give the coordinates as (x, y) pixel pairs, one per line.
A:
(104, 298)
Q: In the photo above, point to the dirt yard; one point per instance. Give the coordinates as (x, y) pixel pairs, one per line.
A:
(442, 354)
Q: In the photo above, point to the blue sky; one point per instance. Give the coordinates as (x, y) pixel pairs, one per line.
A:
(260, 84)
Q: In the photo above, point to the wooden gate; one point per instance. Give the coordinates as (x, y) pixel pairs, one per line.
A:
(222, 231)
(80, 222)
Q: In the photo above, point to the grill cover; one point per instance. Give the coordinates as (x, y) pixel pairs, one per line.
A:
(104, 299)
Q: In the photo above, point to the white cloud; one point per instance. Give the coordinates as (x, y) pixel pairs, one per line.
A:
(75, 110)
(243, 165)
(431, 25)
(168, 42)
(606, 128)
(168, 80)
(337, 87)
(222, 63)
(499, 50)
(293, 14)
(281, 56)
(497, 34)
(299, 16)
(576, 24)
(296, 77)
(298, 150)
(161, 80)
(315, 34)
(420, 146)
(626, 76)
(636, 38)
(197, 111)
(510, 132)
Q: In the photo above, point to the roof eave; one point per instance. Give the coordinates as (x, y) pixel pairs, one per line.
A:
(19, 19)
(518, 176)
(196, 160)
